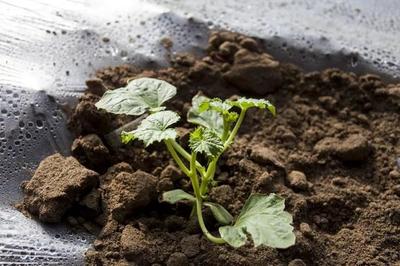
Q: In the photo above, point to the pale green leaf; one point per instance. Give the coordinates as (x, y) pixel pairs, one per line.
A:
(246, 103)
(139, 96)
(173, 196)
(209, 119)
(264, 218)
(204, 140)
(220, 213)
(154, 128)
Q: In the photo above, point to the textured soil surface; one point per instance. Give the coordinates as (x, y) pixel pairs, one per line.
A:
(331, 151)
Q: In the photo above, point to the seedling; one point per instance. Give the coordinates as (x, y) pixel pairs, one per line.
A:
(262, 217)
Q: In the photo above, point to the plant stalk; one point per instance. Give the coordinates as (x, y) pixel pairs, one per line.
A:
(176, 157)
(186, 155)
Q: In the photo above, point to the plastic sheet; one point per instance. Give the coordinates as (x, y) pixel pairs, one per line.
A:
(48, 48)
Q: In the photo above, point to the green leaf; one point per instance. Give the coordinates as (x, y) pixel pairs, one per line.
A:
(246, 103)
(220, 213)
(127, 137)
(221, 107)
(264, 218)
(215, 104)
(204, 140)
(154, 128)
(139, 96)
(173, 196)
(210, 119)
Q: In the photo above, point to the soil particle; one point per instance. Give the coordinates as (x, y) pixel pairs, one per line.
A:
(96, 86)
(87, 119)
(353, 148)
(164, 184)
(112, 172)
(55, 186)
(134, 245)
(128, 192)
(254, 73)
(190, 245)
(177, 259)
(297, 262)
(171, 172)
(222, 195)
(90, 151)
(306, 230)
(92, 202)
(264, 156)
(297, 180)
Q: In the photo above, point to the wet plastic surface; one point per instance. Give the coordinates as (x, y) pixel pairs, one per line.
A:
(48, 49)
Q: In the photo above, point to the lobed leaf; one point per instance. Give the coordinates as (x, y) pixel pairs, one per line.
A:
(205, 140)
(264, 218)
(210, 119)
(139, 96)
(215, 104)
(246, 103)
(154, 128)
(220, 213)
(173, 196)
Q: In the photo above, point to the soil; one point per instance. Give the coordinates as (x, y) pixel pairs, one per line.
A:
(331, 152)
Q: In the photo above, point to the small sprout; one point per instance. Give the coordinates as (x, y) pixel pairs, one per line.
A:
(262, 217)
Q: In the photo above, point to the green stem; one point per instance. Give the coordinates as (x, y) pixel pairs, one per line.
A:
(226, 130)
(199, 202)
(176, 157)
(186, 155)
(208, 176)
(216, 240)
(193, 172)
(235, 129)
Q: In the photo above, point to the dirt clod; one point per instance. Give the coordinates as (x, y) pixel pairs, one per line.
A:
(128, 192)
(134, 244)
(55, 186)
(254, 73)
(297, 180)
(353, 148)
(264, 155)
(190, 245)
(297, 262)
(177, 259)
(91, 151)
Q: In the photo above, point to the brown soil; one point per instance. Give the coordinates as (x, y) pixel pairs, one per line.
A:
(331, 152)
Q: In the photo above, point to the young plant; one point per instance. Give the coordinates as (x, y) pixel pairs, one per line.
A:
(262, 217)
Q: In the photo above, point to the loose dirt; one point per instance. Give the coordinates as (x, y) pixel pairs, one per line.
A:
(331, 152)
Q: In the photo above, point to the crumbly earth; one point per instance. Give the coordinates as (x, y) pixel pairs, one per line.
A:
(331, 151)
